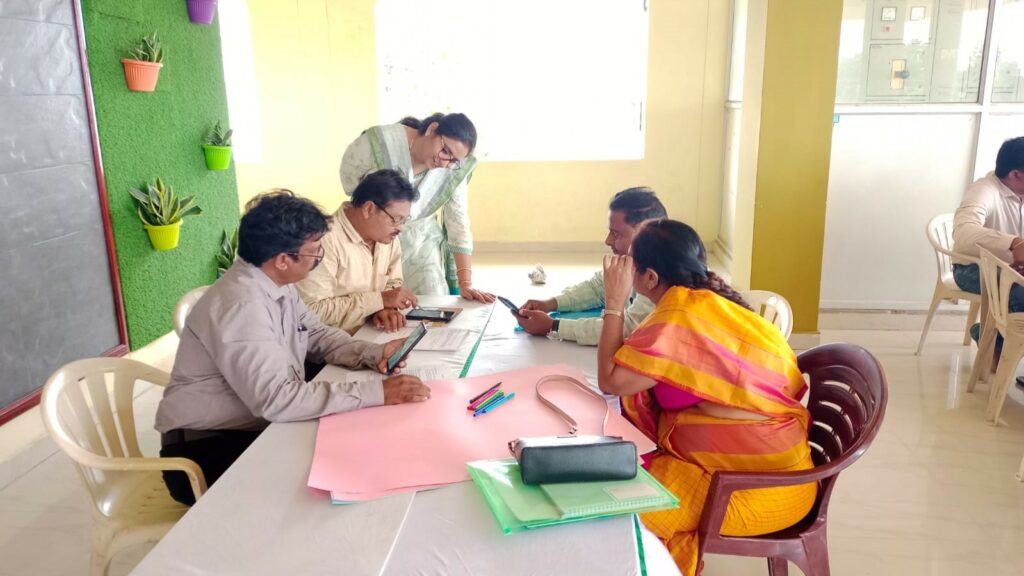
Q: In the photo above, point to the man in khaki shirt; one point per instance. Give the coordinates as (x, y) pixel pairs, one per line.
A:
(361, 274)
(239, 364)
(627, 211)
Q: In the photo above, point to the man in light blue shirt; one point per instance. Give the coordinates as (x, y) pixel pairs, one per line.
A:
(628, 210)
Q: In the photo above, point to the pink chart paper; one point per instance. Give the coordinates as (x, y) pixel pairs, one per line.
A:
(385, 450)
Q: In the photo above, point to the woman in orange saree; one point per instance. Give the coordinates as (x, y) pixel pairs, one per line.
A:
(715, 385)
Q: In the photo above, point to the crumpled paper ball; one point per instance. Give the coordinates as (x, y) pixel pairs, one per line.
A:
(537, 275)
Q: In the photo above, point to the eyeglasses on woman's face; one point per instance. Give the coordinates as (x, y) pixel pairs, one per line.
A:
(448, 157)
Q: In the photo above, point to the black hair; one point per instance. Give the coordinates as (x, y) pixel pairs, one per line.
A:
(1010, 157)
(638, 204)
(455, 126)
(676, 253)
(278, 222)
(384, 186)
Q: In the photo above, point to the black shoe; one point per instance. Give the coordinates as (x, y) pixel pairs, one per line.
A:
(1020, 382)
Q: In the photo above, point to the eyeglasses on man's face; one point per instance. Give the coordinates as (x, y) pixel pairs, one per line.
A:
(395, 220)
(447, 156)
(317, 258)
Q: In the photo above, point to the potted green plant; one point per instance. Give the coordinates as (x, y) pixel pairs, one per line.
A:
(161, 212)
(228, 252)
(143, 63)
(217, 148)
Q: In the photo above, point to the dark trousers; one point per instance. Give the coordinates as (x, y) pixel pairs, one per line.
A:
(214, 454)
(968, 278)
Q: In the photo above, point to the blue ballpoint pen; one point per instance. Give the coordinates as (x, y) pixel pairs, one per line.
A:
(494, 405)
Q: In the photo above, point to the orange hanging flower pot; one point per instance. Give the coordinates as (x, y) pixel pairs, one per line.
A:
(143, 63)
(141, 76)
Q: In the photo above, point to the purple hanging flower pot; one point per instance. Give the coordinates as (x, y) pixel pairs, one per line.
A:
(201, 11)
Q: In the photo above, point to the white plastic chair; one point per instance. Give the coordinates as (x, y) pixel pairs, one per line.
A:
(184, 306)
(998, 278)
(773, 307)
(940, 235)
(87, 408)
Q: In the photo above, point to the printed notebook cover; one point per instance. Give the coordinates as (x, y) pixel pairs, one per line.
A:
(576, 499)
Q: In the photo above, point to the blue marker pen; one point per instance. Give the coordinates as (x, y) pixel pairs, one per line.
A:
(487, 409)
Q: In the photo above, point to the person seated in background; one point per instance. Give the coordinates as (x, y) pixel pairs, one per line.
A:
(360, 277)
(627, 211)
(714, 384)
(239, 364)
(991, 216)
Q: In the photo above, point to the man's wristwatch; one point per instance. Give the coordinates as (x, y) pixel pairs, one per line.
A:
(553, 333)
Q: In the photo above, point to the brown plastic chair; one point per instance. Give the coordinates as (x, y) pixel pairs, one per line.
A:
(847, 402)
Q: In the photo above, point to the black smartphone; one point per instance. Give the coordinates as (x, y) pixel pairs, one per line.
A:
(410, 341)
(433, 314)
(508, 303)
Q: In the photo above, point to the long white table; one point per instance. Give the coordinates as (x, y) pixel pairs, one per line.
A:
(261, 518)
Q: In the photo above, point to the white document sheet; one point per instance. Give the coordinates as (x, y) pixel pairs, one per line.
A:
(437, 339)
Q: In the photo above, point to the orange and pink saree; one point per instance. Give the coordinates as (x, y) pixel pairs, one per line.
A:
(704, 345)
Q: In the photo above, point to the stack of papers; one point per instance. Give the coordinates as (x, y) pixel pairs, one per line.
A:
(442, 339)
(518, 506)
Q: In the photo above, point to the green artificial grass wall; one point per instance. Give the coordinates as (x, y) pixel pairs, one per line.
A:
(144, 135)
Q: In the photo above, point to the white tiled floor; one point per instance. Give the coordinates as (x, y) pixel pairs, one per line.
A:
(935, 493)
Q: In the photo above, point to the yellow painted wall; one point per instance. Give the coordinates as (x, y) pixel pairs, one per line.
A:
(316, 73)
(800, 61)
(317, 83)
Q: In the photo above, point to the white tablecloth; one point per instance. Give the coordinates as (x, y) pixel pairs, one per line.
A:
(261, 518)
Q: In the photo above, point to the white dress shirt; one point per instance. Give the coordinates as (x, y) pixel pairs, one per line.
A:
(990, 216)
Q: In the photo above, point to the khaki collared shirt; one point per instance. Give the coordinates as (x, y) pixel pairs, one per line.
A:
(990, 216)
(345, 289)
(240, 360)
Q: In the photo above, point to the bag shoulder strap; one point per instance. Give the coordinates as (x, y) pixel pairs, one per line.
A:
(573, 426)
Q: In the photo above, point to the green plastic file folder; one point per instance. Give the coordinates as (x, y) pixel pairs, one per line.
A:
(518, 507)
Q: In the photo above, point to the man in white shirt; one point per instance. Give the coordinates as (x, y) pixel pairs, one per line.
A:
(627, 211)
(991, 216)
(360, 277)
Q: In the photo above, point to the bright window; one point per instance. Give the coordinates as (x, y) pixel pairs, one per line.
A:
(1008, 85)
(240, 80)
(541, 79)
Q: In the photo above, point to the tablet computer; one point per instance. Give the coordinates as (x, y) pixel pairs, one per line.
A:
(431, 314)
(410, 341)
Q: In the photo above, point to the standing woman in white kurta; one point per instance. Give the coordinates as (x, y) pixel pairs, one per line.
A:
(436, 154)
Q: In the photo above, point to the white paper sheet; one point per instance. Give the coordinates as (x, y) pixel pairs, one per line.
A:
(443, 339)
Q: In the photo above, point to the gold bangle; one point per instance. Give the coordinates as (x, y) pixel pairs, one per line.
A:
(608, 312)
